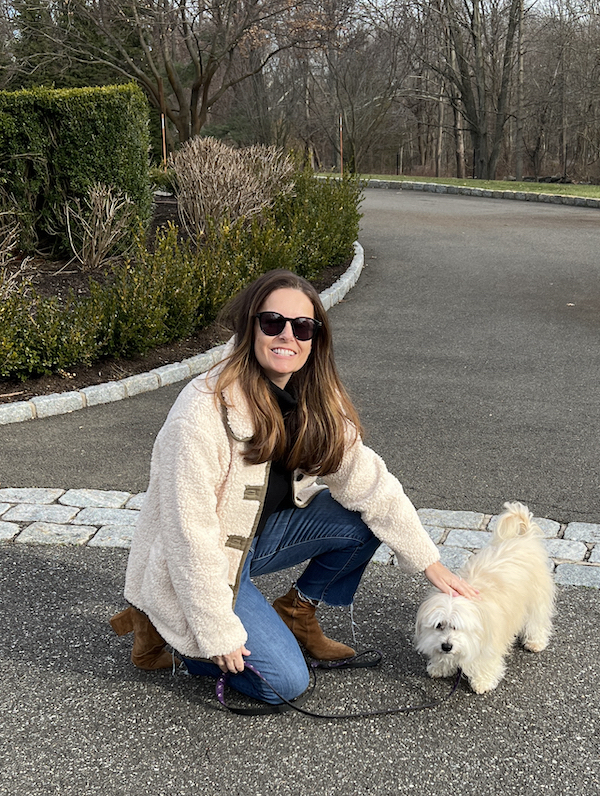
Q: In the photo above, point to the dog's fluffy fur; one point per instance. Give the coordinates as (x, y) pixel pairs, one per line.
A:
(516, 590)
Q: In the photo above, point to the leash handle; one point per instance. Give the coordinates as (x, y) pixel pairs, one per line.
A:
(287, 704)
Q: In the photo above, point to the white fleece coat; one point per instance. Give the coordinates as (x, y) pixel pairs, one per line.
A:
(202, 507)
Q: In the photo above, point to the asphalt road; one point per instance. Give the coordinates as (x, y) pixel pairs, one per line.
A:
(477, 381)
(77, 719)
(471, 344)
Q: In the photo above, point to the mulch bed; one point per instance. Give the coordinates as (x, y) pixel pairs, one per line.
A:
(57, 278)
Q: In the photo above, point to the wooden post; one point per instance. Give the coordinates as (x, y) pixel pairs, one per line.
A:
(341, 146)
(161, 99)
(164, 141)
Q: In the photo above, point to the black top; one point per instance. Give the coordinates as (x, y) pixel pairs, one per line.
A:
(279, 488)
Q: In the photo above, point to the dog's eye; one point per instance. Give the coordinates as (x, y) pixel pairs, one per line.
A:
(439, 626)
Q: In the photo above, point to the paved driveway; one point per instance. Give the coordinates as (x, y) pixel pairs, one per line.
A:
(76, 718)
(472, 344)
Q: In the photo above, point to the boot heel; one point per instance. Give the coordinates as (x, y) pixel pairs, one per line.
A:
(122, 623)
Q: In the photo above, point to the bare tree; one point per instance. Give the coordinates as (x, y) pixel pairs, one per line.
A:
(184, 53)
(481, 36)
(417, 79)
(356, 74)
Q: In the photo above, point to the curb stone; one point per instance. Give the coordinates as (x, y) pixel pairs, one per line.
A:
(485, 193)
(107, 519)
(63, 403)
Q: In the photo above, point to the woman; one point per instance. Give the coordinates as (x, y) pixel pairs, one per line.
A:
(233, 494)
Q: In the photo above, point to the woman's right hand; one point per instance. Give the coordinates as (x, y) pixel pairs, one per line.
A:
(234, 662)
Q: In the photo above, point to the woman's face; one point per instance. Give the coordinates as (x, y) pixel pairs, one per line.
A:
(283, 355)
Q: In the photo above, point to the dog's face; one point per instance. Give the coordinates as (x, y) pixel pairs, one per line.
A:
(448, 626)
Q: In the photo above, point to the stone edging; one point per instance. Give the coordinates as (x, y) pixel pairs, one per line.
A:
(107, 518)
(62, 403)
(465, 190)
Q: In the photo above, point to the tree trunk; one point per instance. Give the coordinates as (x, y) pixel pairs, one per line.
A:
(440, 135)
(459, 144)
(520, 109)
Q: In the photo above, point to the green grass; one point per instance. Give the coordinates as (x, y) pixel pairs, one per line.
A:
(592, 191)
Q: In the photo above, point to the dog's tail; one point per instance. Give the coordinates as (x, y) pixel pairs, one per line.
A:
(516, 520)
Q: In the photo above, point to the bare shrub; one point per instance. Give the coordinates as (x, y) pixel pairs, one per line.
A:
(217, 182)
(11, 281)
(97, 231)
(9, 235)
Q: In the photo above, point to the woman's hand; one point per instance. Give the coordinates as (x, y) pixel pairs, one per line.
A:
(448, 582)
(234, 662)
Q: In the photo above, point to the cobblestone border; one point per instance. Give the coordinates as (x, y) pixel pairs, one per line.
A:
(99, 518)
(62, 403)
(466, 190)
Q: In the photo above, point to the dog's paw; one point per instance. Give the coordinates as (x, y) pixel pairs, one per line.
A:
(535, 645)
(482, 685)
(443, 668)
(536, 640)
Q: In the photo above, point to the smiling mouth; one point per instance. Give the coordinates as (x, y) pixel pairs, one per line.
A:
(283, 352)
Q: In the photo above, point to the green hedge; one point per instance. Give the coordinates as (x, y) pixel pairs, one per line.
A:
(56, 143)
(166, 294)
(322, 217)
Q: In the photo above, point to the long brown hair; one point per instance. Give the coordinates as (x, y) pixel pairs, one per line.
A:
(316, 433)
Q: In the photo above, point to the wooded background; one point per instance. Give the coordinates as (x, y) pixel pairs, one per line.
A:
(466, 88)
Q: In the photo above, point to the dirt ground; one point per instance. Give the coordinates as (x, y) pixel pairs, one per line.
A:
(51, 278)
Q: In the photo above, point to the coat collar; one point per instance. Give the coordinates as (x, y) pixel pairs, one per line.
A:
(238, 414)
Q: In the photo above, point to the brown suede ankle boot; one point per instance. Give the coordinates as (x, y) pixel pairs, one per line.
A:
(299, 616)
(148, 651)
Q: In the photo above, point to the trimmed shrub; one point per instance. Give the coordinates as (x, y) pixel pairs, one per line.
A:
(322, 216)
(56, 143)
(42, 335)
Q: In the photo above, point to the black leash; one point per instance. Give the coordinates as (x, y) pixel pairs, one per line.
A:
(365, 659)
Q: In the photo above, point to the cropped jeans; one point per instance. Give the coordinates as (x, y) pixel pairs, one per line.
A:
(338, 546)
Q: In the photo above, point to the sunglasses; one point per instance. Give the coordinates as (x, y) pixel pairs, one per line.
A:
(272, 324)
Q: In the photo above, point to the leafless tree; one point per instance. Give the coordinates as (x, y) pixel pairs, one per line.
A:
(562, 92)
(476, 57)
(447, 86)
(184, 53)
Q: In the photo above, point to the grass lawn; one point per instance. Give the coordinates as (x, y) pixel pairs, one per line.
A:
(592, 191)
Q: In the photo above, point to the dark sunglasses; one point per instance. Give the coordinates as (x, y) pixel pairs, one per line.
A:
(272, 324)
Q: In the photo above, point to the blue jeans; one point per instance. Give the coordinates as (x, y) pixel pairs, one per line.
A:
(338, 546)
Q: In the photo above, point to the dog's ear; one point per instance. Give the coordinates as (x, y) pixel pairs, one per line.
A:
(419, 622)
(423, 615)
(435, 608)
(423, 619)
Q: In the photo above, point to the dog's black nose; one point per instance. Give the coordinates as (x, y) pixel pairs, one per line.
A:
(446, 647)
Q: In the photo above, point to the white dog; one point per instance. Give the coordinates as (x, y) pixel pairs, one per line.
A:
(516, 590)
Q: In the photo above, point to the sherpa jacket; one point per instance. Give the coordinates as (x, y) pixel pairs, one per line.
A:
(202, 507)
